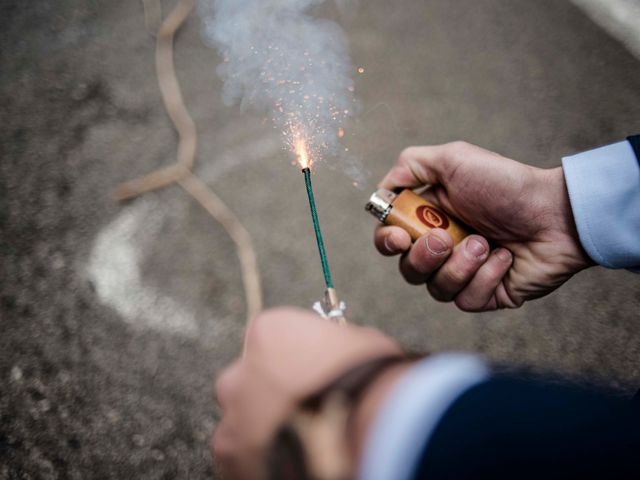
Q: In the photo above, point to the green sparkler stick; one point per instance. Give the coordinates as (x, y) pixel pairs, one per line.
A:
(316, 228)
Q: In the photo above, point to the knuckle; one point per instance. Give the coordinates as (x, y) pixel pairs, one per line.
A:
(458, 149)
(467, 304)
(407, 154)
(411, 272)
(491, 273)
(459, 145)
(422, 266)
(456, 275)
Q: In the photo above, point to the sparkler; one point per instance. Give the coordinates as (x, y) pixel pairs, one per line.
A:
(316, 227)
(330, 307)
(303, 158)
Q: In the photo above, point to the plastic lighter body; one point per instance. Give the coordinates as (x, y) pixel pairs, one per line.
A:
(413, 213)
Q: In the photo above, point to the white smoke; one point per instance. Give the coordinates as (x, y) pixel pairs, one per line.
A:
(280, 59)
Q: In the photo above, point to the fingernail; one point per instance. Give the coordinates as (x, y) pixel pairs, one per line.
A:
(504, 255)
(476, 247)
(436, 245)
(387, 244)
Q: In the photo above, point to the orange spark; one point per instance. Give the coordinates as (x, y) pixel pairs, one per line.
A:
(360, 70)
(340, 132)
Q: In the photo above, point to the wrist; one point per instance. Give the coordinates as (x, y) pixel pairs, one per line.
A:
(323, 438)
(561, 225)
(365, 412)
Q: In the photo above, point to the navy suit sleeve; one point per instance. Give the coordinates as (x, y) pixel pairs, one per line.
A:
(634, 140)
(508, 428)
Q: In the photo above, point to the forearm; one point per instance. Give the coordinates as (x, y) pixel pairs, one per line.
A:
(371, 403)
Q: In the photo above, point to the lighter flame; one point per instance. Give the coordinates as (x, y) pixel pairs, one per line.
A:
(302, 154)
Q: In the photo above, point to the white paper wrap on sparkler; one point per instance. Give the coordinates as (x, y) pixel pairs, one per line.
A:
(330, 307)
(333, 314)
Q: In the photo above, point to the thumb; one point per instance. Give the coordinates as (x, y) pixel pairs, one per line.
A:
(418, 166)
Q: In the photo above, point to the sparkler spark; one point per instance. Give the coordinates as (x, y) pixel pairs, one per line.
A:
(302, 154)
(282, 60)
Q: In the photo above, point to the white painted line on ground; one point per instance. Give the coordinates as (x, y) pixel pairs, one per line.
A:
(114, 265)
(114, 269)
(621, 18)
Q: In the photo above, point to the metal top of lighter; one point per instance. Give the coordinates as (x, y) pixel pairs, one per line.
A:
(380, 203)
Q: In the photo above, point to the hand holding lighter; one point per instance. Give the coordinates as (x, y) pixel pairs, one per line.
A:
(414, 214)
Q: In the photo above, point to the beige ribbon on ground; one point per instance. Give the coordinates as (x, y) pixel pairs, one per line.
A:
(181, 171)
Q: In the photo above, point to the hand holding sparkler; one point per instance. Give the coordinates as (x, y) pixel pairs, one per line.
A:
(288, 355)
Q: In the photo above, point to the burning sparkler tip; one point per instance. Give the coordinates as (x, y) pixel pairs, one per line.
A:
(302, 154)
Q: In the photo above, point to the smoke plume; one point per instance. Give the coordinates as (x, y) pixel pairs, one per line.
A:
(280, 59)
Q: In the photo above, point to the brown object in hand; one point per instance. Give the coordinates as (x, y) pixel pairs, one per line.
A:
(414, 214)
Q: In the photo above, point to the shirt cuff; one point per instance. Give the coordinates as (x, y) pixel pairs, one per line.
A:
(604, 190)
(411, 412)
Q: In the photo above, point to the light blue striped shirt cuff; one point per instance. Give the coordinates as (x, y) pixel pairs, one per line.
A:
(410, 413)
(604, 190)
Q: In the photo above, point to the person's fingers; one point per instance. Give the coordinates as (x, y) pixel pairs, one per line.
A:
(226, 385)
(224, 448)
(391, 240)
(426, 255)
(507, 299)
(417, 166)
(480, 294)
(467, 257)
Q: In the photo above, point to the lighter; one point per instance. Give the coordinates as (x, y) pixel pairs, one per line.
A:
(413, 213)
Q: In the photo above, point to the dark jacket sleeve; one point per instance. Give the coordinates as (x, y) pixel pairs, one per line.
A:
(634, 140)
(524, 429)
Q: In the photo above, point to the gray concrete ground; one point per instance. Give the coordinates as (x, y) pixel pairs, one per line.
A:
(115, 318)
